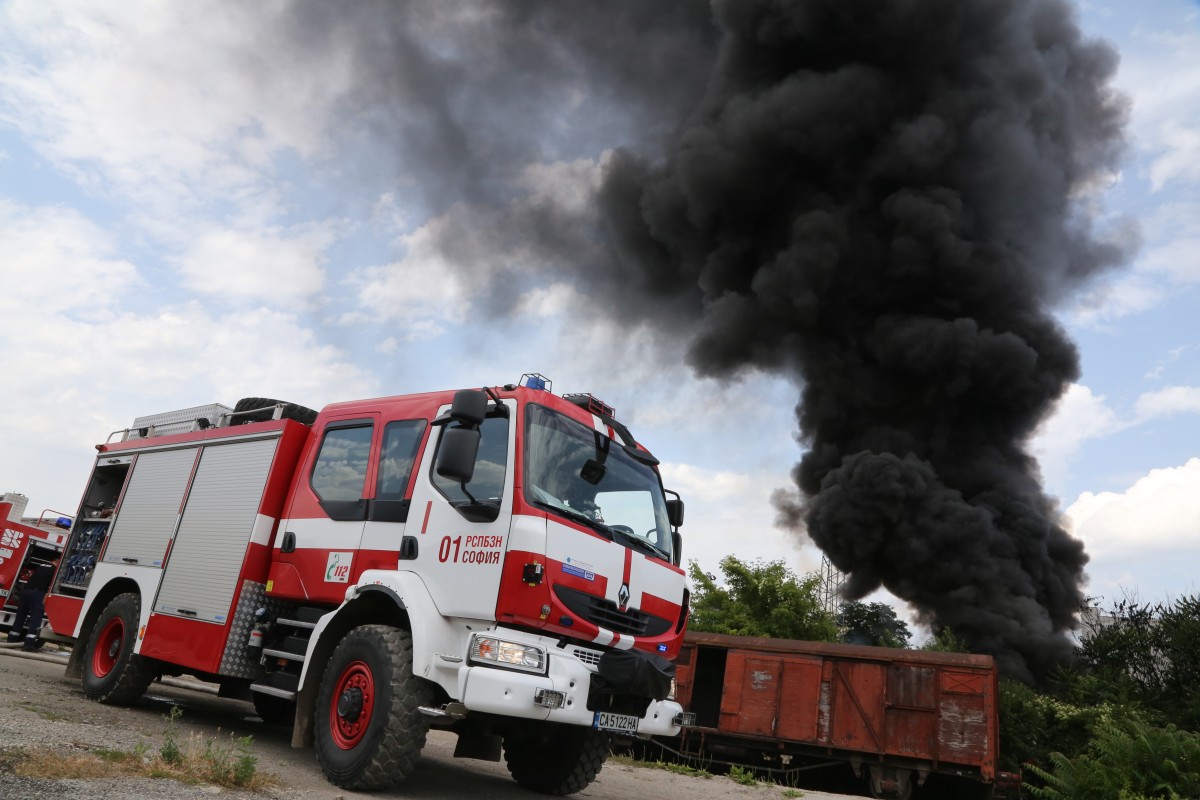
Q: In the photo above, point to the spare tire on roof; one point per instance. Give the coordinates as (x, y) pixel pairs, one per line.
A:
(267, 412)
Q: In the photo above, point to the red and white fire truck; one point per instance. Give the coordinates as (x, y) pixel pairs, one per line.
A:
(23, 548)
(503, 563)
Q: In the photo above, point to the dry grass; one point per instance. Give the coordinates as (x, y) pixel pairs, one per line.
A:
(198, 760)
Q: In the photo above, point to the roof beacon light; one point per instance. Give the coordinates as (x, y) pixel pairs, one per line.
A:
(532, 380)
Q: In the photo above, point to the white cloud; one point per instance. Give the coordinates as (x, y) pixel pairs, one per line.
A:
(163, 99)
(1079, 417)
(1168, 401)
(1175, 262)
(566, 184)
(454, 259)
(730, 513)
(262, 264)
(388, 214)
(1145, 538)
(182, 115)
(80, 362)
(547, 301)
(181, 355)
(420, 292)
(74, 381)
(1124, 296)
(1181, 157)
(55, 260)
(1161, 271)
(1160, 511)
(1160, 70)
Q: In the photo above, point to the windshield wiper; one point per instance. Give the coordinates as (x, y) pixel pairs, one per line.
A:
(643, 544)
(578, 516)
(612, 533)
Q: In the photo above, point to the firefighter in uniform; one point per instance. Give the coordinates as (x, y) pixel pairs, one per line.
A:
(32, 606)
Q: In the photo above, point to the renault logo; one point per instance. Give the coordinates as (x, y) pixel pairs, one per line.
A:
(623, 596)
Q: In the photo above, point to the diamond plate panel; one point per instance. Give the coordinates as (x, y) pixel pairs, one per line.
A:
(238, 661)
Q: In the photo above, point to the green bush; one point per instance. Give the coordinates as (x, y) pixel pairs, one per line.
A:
(1033, 725)
(1127, 760)
(745, 777)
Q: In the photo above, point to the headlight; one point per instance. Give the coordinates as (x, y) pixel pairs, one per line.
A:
(490, 650)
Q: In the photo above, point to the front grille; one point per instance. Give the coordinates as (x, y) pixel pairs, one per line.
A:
(605, 613)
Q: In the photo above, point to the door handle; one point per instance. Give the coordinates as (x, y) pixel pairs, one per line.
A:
(289, 543)
(408, 548)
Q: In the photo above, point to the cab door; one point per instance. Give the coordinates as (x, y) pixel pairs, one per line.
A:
(385, 540)
(461, 532)
(317, 549)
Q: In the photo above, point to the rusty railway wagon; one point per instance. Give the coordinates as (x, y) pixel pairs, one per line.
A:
(896, 717)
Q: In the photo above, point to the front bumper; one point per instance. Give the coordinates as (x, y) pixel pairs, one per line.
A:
(513, 693)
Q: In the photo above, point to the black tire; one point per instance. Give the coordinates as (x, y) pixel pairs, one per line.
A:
(369, 733)
(290, 411)
(555, 759)
(274, 710)
(112, 672)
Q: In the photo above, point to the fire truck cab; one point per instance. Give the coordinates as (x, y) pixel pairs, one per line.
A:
(503, 563)
(23, 548)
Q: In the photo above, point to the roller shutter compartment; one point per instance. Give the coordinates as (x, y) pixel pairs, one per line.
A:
(222, 508)
(150, 509)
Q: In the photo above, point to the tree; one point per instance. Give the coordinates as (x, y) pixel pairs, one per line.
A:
(1180, 649)
(945, 641)
(874, 624)
(1149, 652)
(763, 598)
(1124, 647)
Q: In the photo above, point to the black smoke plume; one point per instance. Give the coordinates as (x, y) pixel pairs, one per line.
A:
(885, 201)
(882, 200)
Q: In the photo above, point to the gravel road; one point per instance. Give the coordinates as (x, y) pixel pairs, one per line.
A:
(40, 708)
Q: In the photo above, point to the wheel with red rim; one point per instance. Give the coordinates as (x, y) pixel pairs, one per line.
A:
(108, 647)
(112, 672)
(352, 706)
(369, 731)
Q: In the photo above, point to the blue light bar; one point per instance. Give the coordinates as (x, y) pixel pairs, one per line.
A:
(532, 380)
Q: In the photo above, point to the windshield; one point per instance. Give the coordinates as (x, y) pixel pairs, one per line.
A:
(573, 471)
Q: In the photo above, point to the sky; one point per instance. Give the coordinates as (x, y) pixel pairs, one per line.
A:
(207, 201)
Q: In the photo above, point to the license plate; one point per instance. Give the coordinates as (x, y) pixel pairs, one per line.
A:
(621, 723)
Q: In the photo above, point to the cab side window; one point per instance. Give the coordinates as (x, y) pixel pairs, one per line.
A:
(400, 442)
(481, 500)
(340, 472)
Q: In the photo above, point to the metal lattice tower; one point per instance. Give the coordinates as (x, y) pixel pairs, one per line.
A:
(832, 580)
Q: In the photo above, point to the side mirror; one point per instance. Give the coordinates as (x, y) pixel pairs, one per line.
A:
(675, 512)
(460, 444)
(456, 453)
(676, 548)
(469, 407)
